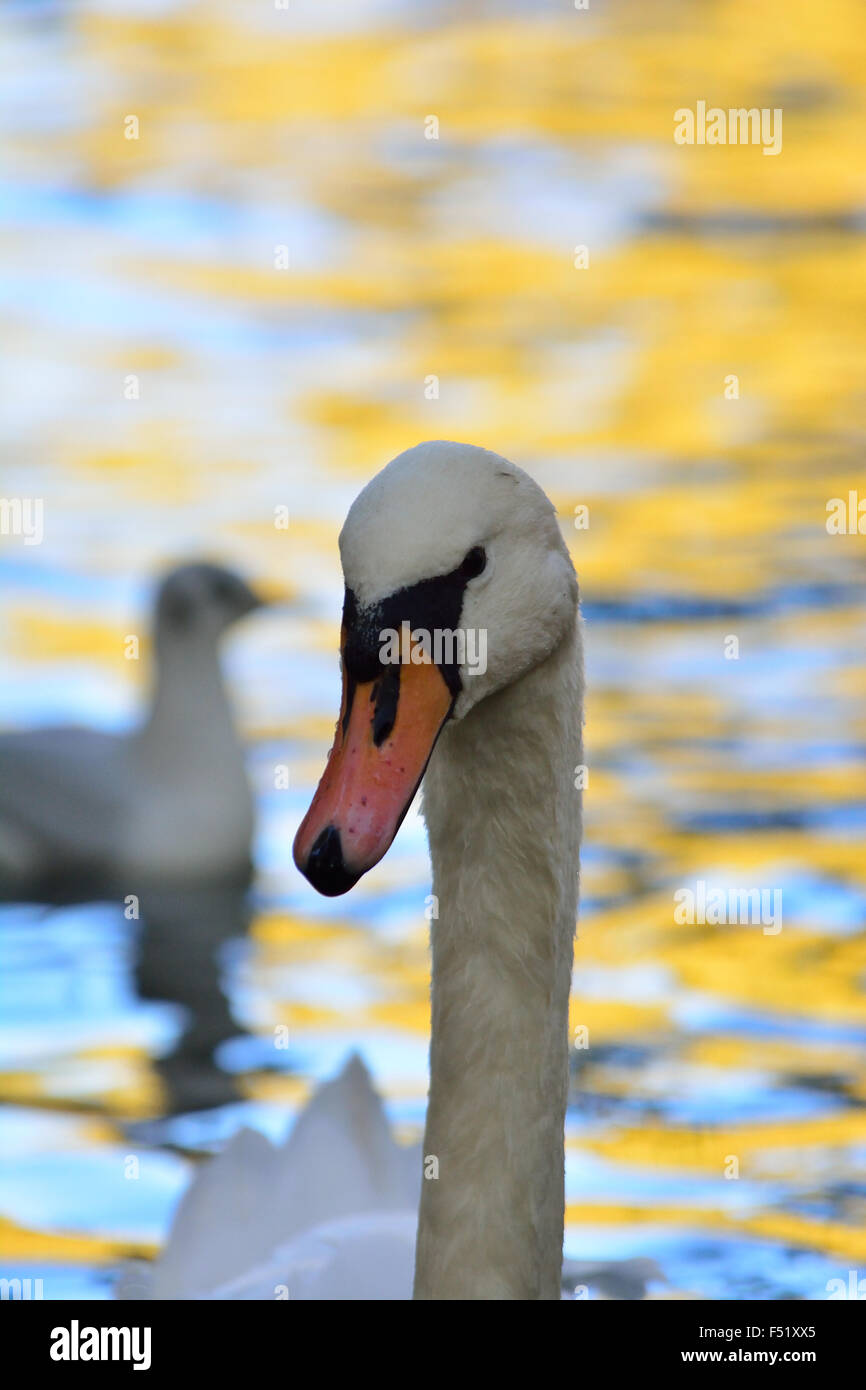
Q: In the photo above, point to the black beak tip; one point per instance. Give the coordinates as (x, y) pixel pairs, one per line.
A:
(325, 868)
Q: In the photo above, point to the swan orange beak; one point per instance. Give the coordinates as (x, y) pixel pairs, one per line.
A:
(383, 741)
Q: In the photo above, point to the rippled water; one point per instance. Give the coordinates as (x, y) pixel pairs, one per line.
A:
(262, 387)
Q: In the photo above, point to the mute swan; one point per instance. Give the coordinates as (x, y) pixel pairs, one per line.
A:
(86, 813)
(450, 536)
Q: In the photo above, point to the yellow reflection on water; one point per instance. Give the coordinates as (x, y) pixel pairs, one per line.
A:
(412, 260)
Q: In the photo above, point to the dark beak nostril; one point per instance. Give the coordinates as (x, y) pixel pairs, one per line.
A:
(325, 869)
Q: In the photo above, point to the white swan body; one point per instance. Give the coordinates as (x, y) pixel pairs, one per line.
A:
(330, 1213)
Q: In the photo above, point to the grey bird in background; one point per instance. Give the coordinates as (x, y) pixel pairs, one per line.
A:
(86, 814)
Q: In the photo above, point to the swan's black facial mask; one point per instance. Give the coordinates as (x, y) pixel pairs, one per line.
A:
(392, 712)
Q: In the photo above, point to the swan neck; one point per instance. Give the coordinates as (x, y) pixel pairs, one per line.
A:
(503, 818)
(189, 700)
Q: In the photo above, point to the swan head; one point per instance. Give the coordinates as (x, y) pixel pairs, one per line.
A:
(458, 583)
(201, 600)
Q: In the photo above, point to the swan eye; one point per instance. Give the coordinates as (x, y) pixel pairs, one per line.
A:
(473, 562)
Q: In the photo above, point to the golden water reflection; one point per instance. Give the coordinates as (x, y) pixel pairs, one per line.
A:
(411, 259)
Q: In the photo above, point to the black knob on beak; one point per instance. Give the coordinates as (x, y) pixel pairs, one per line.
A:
(326, 868)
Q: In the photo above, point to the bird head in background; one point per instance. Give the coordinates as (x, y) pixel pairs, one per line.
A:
(202, 600)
